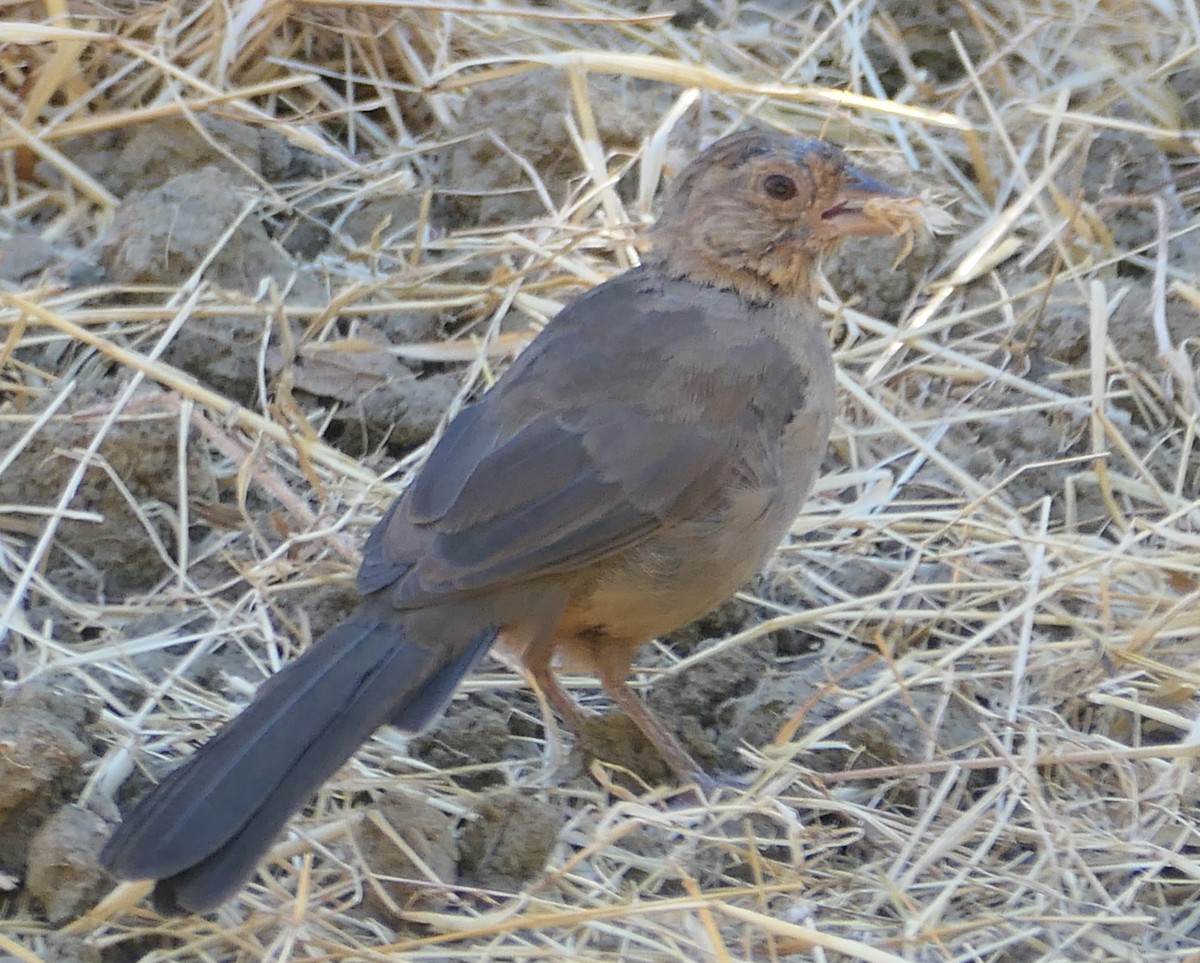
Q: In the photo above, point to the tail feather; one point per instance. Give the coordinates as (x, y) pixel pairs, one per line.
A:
(204, 828)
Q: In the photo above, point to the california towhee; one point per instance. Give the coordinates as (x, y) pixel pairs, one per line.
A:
(632, 469)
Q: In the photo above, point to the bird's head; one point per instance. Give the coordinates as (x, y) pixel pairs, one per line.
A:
(757, 210)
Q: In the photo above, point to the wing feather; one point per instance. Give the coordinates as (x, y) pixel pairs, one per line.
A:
(544, 476)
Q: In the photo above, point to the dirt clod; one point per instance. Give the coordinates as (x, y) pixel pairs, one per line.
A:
(509, 840)
(40, 757)
(162, 235)
(410, 849)
(471, 737)
(129, 478)
(64, 875)
(614, 738)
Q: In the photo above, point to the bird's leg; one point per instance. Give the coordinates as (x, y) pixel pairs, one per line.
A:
(613, 676)
(611, 664)
(536, 660)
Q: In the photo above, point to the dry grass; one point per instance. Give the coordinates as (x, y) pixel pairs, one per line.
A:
(1065, 624)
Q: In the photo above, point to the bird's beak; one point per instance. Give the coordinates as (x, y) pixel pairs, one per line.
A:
(852, 216)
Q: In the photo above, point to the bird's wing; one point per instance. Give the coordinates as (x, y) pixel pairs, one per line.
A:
(573, 457)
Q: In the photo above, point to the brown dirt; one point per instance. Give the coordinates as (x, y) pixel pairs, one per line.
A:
(508, 840)
(40, 765)
(129, 487)
(63, 875)
(410, 851)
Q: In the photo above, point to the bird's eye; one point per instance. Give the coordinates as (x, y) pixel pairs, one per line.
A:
(779, 186)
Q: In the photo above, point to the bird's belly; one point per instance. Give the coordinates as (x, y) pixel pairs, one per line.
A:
(685, 570)
(670, 580)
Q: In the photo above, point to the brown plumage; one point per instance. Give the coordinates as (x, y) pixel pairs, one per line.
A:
(632, 469)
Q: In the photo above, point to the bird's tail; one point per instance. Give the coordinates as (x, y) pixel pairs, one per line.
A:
(205, 827)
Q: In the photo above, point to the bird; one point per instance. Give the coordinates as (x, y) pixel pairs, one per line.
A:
(634, 467)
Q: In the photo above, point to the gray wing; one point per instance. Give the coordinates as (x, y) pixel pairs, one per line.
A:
(570, 458)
